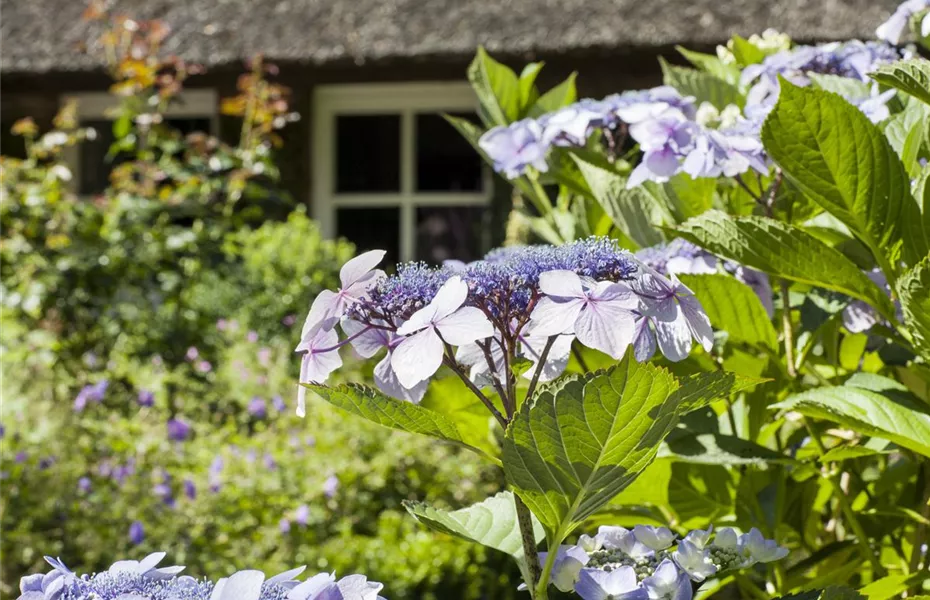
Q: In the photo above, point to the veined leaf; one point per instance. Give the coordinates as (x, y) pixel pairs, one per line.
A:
(733, 307)
(779, 249)
(703, 86)
(746, 52)
(712, 64)
(583, 439)
(492, 523)
(717, 449)
(699, 390)
(844, 86)
(527, 84)
(633, 212)
(371, 404)
(831, 151)
(911, 76)
(690, 197)
(867, 412)
(842, 453)
(914, 293)
(497, 88)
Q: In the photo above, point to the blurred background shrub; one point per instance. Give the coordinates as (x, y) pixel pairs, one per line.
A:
(148, 379)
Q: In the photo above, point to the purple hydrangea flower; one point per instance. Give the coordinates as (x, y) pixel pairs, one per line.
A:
(190, 490)
(278, 403)
(90, 393)
(84, 484)
(257, 408)
(192, 353)
(302, 515)
(145, 398)
(136, 533)
(515, 147)
(330, 486)
(178, 429)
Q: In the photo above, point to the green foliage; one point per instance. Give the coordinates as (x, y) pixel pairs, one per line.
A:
(910, 76)
(818, 139)
(914, 293)
(726, 300)
(705, 87)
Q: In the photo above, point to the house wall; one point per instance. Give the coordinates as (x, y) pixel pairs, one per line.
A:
(599, 73)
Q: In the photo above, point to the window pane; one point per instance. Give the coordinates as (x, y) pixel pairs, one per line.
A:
(446, 162)
(451, 232)
(371, 229)
(95, 166)
(368, 153)
(13, 146)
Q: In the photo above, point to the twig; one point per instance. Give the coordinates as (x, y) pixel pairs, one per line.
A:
(530, 554)
(540, 363)
(786, 326)
(450, 362)
(580, 359)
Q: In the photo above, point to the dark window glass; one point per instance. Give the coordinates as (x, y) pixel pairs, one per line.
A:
(368, 153)
(371, 229)
(451, 232)
(13, 146)
(95, 165)
(446, 162)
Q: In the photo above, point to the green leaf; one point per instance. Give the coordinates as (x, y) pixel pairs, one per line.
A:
(583, 439)
(831, 151)
(527, 83)
(371, 404)
(906, 132)
(497, 88)
(703, 86)
(867, 412)
(844, 86)
(717, 449)
(890, 586)
(917, 242)
(492, 523)
(700, 389)
(914, 293)
(632, 211)
(558, 97)
(841, 453)
(911, 76)
(746, 52)
(831, 593)
(783, 251)
(733, 307)
(690, 197)
(712, 64)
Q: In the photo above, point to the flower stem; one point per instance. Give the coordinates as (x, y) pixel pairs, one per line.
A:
(850, 515)
(539, 367)
(530, 555)
(788, 330)
(450, 362)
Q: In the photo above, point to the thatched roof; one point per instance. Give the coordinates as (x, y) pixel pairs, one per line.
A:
(42, 35)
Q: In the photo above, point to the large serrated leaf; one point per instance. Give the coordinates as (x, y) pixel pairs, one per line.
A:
(700, 389)
(703, 86)
(632, 211)
(371, 404)
(733, 307)
(914, 293)
(717, 449)
(584, 439)
(838, 158)
(492, 523)
(785, 251)
(910, 76)
(867, 412)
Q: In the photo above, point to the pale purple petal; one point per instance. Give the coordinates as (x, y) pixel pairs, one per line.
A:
(606, 326)
(244, 585)
(674, 336)
(386, 381)
(619, 584)
(360, 268)
(698, 323)
(310, 588)
(370, 342)
(323, 313)
(644, 340)
(562, 284)
(448, 299)
(617, 293)
(464, 326)
(556, 360)
(552, 317)
(417, 357)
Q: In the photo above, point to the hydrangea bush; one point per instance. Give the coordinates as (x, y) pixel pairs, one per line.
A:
(728, 326)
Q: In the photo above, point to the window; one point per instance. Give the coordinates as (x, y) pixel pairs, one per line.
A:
(195, 110)
(390, 172)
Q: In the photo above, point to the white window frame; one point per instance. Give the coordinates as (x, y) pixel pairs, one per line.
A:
(193, 103)
(405, 100)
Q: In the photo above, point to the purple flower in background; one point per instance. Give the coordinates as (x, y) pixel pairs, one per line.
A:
(90, 393)
(84, 484)
(145, 398)
(46, 462)
(192, 353)
(875, 106)
(515, 147)
(302, 514)
(136, 533)
(2, 431)
(252, 336)
(204, 366)
(269, 462)
(178, 429)
(278, 403)
(289, 320)
(264, 356)
(163, 490)
(568, 126)
(222, 325)
(284, 525)
(215, 472)
(664, 141)
(20, 457)
(190, 490)
(330, 486)
(257, 408)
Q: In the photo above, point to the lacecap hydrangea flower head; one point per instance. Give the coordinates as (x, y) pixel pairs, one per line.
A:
(143, 580)
(653, 563)
(528, 303)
